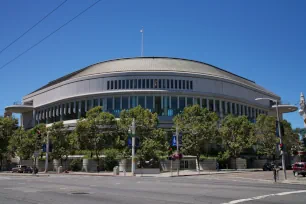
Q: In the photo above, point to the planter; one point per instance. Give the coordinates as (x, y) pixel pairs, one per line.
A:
(85, 164)
(56, 164)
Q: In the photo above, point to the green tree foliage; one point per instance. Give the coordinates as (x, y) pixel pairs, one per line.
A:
(7, 127)
(237, 134)
(290, 138)
(153, 141)
(111, 159)
(265, 134)
(199, 127)
(60, 138)
(97, 131)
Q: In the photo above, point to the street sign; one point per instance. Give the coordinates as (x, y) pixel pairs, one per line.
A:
(180, 140)
(36, 153)
(137, 142)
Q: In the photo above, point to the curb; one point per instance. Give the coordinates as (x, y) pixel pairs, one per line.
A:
(26, 175)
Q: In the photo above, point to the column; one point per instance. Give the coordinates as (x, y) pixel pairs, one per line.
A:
(231, 108)
(85, 105)
(214, 105)
(74, 107)
(207, 103)
(80, 109)
(69, 108)
(61, 112)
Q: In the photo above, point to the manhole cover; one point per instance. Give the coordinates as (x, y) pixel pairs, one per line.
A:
(79, 193)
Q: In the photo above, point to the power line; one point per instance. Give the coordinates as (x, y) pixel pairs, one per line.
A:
(32, 26)
(49, 35)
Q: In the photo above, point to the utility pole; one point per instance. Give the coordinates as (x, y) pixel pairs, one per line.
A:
(142, 31)
(133, 146)
(177, 149)
(47, 153)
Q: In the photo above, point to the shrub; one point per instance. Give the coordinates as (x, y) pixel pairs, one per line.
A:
(110, 160)
(75, 165)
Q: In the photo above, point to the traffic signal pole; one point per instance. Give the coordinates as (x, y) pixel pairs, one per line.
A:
(47, 153)
(280, 141)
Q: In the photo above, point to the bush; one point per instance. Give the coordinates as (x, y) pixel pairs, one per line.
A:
(75, 165)
(110, 160)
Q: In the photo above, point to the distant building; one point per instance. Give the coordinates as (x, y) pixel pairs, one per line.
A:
(161, 84)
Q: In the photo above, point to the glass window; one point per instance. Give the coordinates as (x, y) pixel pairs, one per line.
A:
(180, 84)
(171, 83)
(95, 103)
(151, 84)
(174, 102)
(204, 103)
(197, 101)
(217, 105)
(189, 101)
(155, 83)
(166, 105)
(117, 103)
(143, 83)
(228, 108)
(164, 83)
(187, 84)
(116, 84)
(175, 83)
(237, 109)
(109, 103)
(158, 104)
(233, 108)
(141, 101)
(148, 83)
(245, 110)
(160, 83)
(139, 83)
(183, 84)
(149, 103)
(101, 102)
(191, 85)
(168, 83)
(123, 84)
(135, 83)
(112, 85)
(256, 113)
(127, 84)
(131, 84)
(89, 105)
(249, 111)
(211, 104)
(119, 85)
(133, 101)
(125, 102)
(107, 85)
(83, 112)
(182, 103)
(253, 112)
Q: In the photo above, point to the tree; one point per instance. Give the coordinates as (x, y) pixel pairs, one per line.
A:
(153, 141)
(7, 127)
(96, 131)
(290, 138)
(199, 126)
(60, 139)
(265, 134)
(236, 134)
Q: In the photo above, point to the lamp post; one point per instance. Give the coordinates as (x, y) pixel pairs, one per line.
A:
(47, 153)
(279, 131)
(177, 149)
(133, 145)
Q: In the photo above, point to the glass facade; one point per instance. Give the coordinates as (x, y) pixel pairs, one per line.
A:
(141, 101)
(125, 102)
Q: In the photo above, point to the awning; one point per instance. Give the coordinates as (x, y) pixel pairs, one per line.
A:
(19, 108)
(285, 108)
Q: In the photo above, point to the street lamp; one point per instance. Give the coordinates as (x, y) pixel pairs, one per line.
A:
(133, 130)
(279, 131)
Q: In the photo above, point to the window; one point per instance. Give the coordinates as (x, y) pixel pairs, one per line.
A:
(107, 85)
(95, 102)
(233, 108)
(119, 84)
(133, 101)
(123, 84)
(245, 110)
(237, 109)
(189, 101)
(151, 84)
(197, 101)
(191, 85)
(164, 83)
(223, 106)
(139, 83)
(143, 83)
(101, 102)
(166, 105)
(149, 103)
(187, 84)
(135, 83)
(117, 103)
(174, 102)
(148, 83)
(211, 105)
(131, 84)
(116, 84)
(180, 84)
(109, 104)
(204, 103)
(89, 105)
(182, 103)
(160, 83)
(155, 83)
(175, 83)
(229, 108)
(183, 84)
(141, 101)
(112, 85)
(127, 84)
(217, 106)
(125, 102)
(171, 83)
(168, 83)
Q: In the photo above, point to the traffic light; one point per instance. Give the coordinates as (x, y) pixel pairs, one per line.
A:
(281, 147)
(38, 135)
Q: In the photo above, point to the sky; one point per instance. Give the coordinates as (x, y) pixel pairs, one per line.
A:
(261, 40)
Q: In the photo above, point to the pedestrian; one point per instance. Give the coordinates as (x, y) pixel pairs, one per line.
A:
(217, 165)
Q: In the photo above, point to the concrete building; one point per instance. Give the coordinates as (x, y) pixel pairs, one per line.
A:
(161, 84)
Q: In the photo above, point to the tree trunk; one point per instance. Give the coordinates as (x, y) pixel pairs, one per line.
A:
(1, 162)
(198, 160)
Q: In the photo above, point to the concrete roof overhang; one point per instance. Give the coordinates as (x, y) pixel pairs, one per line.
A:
(285, 108)
(19, 108)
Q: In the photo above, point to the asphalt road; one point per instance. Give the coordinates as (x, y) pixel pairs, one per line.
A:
(67, 189)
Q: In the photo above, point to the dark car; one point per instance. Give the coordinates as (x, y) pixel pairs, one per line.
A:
(23, 169)
(299, 168)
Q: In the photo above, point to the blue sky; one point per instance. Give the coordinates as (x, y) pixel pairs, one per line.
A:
(260, 40)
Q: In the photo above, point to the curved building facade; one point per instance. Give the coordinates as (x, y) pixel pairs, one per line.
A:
(160, 84)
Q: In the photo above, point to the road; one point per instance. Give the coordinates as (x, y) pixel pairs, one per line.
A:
(67, 189)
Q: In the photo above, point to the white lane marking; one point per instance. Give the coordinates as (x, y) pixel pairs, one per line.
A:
(117, 183)
(264, 196)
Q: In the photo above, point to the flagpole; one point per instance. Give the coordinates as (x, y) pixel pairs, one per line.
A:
(141, 42)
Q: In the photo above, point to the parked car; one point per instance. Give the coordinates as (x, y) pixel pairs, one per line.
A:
(23, 169)
(299, 168)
